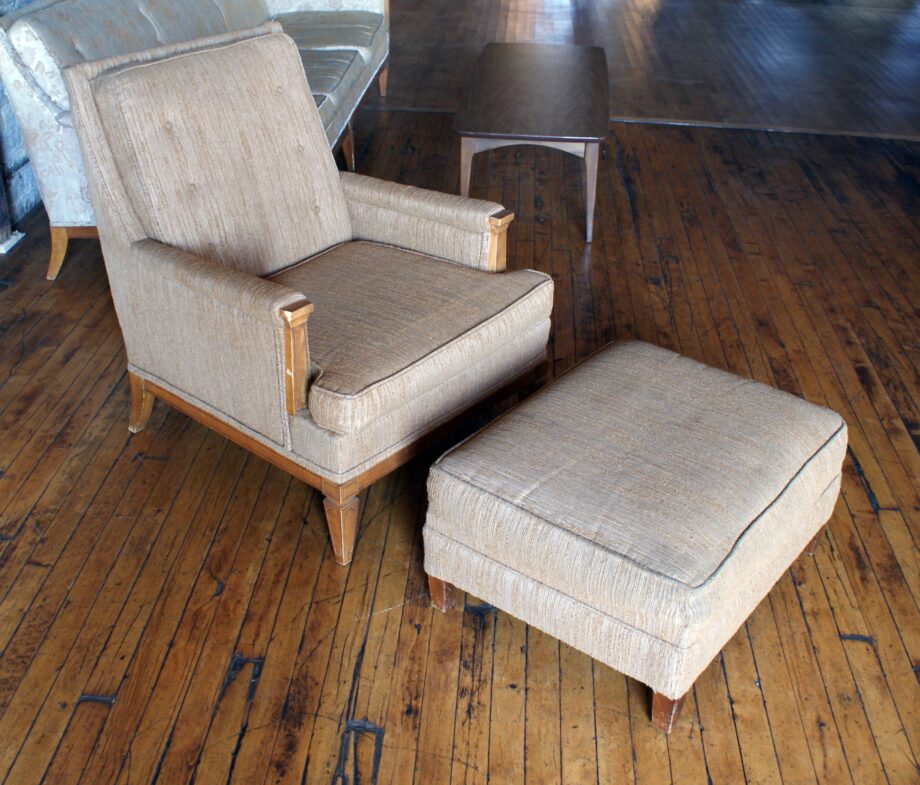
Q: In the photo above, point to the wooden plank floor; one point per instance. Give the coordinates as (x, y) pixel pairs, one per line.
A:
(170, 611)
(848, 66)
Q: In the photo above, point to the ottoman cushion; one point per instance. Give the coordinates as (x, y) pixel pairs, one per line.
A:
(638, 508)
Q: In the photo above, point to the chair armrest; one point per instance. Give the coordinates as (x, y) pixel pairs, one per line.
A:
(470, 232)
(233, 340)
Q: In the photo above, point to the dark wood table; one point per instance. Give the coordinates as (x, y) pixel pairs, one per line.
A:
(553, 96)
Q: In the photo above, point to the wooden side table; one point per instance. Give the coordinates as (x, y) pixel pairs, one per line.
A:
(551, 96)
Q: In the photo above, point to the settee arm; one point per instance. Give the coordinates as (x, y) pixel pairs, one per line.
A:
(470, 232)
(233, 340)
(276, 7)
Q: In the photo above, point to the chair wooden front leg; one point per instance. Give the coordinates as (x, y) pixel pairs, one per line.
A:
(141, 403)
(382, 78)
(342, 519)
(443, 594)
(665, 711)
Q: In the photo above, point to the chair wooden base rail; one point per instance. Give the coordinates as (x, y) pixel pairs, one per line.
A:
(341, 500)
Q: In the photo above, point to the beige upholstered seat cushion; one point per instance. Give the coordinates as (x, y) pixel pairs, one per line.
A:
(363, 31)
(665, 496)
(220, 168)
(390, 324)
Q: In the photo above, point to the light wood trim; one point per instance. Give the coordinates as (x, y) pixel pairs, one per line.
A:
(296, 356)
(498, 240)
(341, 494)
(60, 236)
(342, 520)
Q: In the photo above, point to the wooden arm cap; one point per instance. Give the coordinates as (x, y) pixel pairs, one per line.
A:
(500, 219)
(297, 314)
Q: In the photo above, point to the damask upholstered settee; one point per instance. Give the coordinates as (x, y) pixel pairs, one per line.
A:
(343, 44)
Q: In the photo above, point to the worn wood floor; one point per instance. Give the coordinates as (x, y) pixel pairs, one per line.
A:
(170, 611)
(848, 66)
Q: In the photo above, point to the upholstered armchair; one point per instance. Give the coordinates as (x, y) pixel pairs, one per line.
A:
(331, 323)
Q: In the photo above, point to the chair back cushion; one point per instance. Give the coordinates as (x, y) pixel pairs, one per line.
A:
(222, 153)
(68, 32)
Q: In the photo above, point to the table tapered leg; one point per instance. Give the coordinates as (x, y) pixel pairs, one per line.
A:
(466, 163)
(592, 150)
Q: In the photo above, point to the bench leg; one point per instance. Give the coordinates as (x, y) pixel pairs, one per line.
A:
(342, 520)
(443, 594)
(665, 711)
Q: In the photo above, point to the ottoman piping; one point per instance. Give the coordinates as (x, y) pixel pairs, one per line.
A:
(645, 568)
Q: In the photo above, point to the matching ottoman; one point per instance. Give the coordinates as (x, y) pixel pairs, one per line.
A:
(639, 508)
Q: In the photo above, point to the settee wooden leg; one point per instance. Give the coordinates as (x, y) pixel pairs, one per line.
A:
(813, 545)
(59, 238)
(342, 519)
(443, 594)
(141, 404)
(382, 80)
(665, 711)
(348, 147)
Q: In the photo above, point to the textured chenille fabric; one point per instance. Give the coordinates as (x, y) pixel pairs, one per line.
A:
(444, 225)
(639, 508)
(389, 324)
(236, 170)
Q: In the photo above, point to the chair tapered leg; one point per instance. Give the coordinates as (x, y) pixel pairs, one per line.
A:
(382, 78)
(59, 238)
(813, 545)
(141, 404)
(443, 594)
(665, 711)
(342, 520)
(348, 147)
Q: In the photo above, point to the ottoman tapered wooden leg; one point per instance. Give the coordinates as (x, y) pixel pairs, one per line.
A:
(665, 711)
(443, 594)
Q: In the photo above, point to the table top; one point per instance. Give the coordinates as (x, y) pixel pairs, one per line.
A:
(537, 91)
